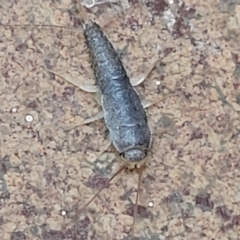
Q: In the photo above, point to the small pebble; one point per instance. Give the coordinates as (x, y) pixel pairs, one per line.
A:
(150, 204)
(63, 213)
(14, 110)
(158, 83)
(29, 118)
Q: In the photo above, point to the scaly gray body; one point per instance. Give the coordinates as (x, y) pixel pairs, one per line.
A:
(124, 114)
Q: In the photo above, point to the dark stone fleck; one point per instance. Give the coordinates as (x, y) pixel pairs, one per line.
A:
(29, 210)
(21, 47)
(227, 6)
(203, 234)
(165, 121)
(5, 195)
(238, 99)
(32, 104)
(75, 20)
(156, 6)
(150, 236)
(68, 91)
(148, 179)
(168, 50)
(187, 229)
(133, 24)
(34, 230)
(34, 189)
(186, 12)
(133, 2)
(79, 231)
(18, 236)
(54, 96)
(235, 58)
(85, 222)
(141, 211)
(77, 132)
(204, 202)
(60, 35)
(187, 95)
(179, 28)
(175, 197)
(1, 219)
(126, 195)
(196, 134)
(51, 173)
(164, 228)
(236, 87)
(97, 181)
(184, 214)
(236, 220)
(185, 191)
(52, 235)
(4, 165)
(132, 238)
(224, 213)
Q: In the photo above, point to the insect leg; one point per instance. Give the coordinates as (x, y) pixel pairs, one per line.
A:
(84, 87)
(94, 3)
(114, 175)
(98, 116)
(78, 211)
(138, 80)
(98, 192)
(98, 97)
(136, 201)
(147, 104)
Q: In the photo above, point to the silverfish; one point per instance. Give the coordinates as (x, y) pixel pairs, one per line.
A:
(122, 109)
(123, 112)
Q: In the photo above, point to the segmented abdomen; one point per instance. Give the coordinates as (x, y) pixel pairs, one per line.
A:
(105, 61)
(124, 114)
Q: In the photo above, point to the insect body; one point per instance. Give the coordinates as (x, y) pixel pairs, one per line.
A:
(124, 114)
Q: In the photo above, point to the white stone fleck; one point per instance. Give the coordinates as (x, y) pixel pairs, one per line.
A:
(158, 83)
(29, 118)
(169, 19)
(14, 110)
(150, 204)
(63, 213)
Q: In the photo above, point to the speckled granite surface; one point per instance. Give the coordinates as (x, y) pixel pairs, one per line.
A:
(193, 173)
